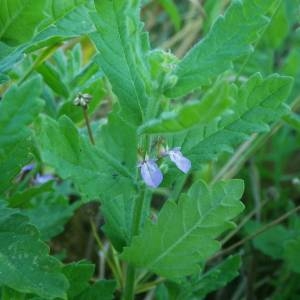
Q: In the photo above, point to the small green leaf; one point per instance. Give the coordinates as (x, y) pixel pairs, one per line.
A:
(230, 38)
(78, 274)
(24, 260)
(101, 290)
(184, 235)
(213, 104)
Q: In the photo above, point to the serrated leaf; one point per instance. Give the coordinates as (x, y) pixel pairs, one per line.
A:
(230, 38)
(122, 55)
(95, 172)
(258, 103)
(19, 107)
(78, 274)
(25, 263)
(213, 104)
(184, 235)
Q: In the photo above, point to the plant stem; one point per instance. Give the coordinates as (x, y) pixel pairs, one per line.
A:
(149, 285)
(256, 233)
(87, 122)
(130, 274)
(43, 56)
(241, 224)
(129, 284)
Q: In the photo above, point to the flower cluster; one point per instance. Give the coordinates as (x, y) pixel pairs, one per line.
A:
(82, 100)
(152, 174)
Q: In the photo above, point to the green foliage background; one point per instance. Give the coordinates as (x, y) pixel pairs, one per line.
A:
(220, 79)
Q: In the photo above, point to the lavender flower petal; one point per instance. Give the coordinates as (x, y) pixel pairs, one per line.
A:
(151, 173)
(40, 179)
(182, 163)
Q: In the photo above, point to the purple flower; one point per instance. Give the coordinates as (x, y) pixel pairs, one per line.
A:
(151, 173)
(182, 163)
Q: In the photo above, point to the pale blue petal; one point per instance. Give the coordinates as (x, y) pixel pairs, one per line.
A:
(182, 163)
(151, 173)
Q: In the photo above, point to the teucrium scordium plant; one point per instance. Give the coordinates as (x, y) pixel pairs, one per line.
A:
(169, 118)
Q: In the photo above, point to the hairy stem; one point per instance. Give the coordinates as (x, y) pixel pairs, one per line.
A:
(88, 125)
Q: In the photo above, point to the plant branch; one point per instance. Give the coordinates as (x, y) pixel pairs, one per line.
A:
(110, 263)
(258, 232)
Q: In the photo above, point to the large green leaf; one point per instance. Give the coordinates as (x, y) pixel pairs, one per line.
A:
(97, 172)
(19, 107)
(258, 103)
(19, 20)
(184, 235)
(230, 38)
(122, 50)
(24, 261)
(213, 104)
